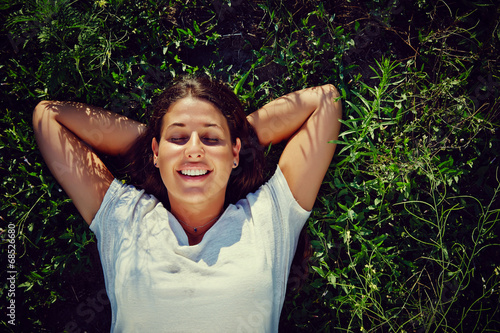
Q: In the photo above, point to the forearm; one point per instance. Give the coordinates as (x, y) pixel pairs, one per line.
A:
(281, 118)
(103, 130)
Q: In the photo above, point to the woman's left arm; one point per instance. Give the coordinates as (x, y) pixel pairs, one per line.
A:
(309, 119)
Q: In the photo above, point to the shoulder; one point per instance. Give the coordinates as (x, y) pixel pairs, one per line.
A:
(274, 204)
(278, 190)
(122, 193)
(123, 202)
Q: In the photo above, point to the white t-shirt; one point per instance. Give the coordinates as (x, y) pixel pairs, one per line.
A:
(234, 280)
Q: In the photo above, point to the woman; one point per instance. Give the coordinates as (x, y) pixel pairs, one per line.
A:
(209, 250)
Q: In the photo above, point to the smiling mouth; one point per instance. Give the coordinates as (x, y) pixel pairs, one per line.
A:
(194, 173)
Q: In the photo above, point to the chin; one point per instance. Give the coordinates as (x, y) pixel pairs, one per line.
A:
(197, 196)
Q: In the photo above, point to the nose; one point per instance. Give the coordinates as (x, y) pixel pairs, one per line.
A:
(194, 147)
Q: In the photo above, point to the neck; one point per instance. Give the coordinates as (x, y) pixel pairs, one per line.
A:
(196, 220)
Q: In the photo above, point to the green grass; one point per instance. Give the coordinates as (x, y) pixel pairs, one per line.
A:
(405, 230)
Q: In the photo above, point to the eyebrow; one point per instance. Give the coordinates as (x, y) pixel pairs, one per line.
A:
(184, 125)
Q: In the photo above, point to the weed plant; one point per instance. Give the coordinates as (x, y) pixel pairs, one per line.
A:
(405, 230)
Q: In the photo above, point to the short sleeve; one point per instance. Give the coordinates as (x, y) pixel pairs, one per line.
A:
(122, 205)
(291, 213)
(110, 196)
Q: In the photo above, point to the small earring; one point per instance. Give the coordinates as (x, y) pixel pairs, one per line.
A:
(156, 164)
(235, 164)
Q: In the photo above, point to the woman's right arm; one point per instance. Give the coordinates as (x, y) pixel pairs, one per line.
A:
(67, 134)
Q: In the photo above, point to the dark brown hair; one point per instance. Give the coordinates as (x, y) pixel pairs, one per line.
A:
(244, 179)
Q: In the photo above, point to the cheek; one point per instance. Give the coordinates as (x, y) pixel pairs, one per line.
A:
(167, 150)
(167, 158)
(225, 157)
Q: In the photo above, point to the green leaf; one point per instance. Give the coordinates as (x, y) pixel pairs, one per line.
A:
(242, 80)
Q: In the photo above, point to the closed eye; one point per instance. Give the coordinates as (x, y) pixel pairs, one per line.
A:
(211, 140)
(178, 140)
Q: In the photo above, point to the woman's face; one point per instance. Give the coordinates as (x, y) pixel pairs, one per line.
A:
(195, 155)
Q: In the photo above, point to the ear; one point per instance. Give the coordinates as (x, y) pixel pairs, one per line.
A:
(154, 147)
(236, 150)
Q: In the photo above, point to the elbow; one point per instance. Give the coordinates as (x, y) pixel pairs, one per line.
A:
(333, 96)
(331, 90)
(42, 105)
(37, 111)
(40, 112)
(40, 108)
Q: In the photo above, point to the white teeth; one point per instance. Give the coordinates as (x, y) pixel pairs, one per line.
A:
(194, 172)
